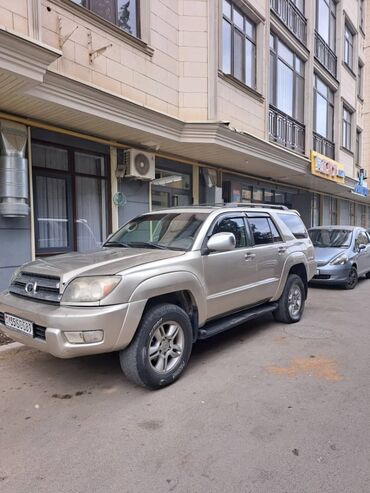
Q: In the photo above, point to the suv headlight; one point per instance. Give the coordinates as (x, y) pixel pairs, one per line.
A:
(90, 289)
(340, 260)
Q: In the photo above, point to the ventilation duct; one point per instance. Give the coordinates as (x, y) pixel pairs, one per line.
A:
(13, 170)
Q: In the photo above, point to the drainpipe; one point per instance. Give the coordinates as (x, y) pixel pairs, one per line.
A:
(13, 170)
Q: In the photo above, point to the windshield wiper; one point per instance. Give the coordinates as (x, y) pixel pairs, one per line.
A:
(149, 244)
(117, 243)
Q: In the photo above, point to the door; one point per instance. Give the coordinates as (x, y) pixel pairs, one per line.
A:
(363, 256)
(270, 254)
(228, 275)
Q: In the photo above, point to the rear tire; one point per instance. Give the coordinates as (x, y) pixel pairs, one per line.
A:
(161, 348)
(352, 279)
(291, 303)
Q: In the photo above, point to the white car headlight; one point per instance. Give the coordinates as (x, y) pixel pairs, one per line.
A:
(90, 289)
(340, 260)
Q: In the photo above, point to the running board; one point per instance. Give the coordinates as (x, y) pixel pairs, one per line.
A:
(231, 321)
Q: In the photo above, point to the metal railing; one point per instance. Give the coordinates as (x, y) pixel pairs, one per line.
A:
(292, 17)
(286, 131)
(325, 55)
(323, 146)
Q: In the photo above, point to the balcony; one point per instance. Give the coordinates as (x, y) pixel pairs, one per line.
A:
(286, 131)
(325, 55)
(323, 146)
(292, 17)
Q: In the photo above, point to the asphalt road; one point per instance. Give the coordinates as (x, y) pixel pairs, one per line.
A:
(263, 408)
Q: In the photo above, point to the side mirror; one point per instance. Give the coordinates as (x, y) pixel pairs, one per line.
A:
(221, 242)
(361, 247)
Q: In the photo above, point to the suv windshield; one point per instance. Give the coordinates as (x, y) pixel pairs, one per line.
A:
(331, 238)
(173, 231)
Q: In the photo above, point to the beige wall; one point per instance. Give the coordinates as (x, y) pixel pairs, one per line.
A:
(177, 71)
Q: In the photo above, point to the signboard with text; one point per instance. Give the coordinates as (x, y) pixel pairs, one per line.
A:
(327, 168)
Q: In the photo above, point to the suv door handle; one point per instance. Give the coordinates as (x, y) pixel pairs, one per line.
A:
(282, 249)
(249, 256)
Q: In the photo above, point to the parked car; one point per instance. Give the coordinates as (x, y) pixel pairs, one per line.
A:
(342, 254)
(161, 282)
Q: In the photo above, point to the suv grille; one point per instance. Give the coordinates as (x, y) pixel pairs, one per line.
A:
(37, 287)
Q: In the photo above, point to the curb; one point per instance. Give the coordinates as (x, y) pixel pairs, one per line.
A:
(9, 347)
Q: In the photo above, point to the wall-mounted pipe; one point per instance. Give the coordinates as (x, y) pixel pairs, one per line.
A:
(13, 170)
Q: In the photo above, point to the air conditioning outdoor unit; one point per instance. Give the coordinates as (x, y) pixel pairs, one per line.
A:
(139, 165)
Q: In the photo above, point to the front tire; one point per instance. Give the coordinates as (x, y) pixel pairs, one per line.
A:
(161, 348)
(291, 303)
(352, 279)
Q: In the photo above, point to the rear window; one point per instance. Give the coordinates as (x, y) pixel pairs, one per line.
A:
(295, 224)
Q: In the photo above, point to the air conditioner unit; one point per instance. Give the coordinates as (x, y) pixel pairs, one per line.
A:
(139, 165)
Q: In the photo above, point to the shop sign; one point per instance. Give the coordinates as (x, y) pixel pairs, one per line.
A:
(327, 168)
(361, 186)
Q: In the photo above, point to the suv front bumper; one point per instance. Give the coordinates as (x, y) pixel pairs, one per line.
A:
(118, 322)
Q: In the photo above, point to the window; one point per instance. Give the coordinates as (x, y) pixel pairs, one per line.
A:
(315, 209)
(286, 80)
(71, 197)
(325, 21)
(122, 13)
(358, 147)
(362, 15)
(348, 47)
(235, 225)
(264, 231)
(295, 225)
(347, 129)
(360, 81)
(238, 45)
(323, 109)
(352, 214)
(333, 210)
(363, 216)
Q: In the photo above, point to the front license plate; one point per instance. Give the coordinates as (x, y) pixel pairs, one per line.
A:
(18, 324)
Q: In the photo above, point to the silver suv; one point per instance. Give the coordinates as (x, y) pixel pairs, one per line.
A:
(161, 282)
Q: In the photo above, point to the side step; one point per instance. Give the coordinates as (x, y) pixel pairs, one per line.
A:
(231, 321)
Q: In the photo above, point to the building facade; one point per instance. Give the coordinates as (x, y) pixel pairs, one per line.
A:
(110, 108)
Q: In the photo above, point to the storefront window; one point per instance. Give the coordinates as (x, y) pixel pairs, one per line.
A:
(171, 189)
(258, 194)
(208, 191)
(70, 196)
(247, 194)
(315, 209)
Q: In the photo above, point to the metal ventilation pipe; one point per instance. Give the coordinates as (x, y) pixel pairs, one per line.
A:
(13, 170)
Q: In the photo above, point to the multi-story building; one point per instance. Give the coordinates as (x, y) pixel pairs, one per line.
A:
(112, 107)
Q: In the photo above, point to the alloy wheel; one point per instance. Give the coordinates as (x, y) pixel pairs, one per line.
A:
(166, 347)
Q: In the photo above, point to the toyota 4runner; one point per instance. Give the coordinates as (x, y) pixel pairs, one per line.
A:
(161, 282)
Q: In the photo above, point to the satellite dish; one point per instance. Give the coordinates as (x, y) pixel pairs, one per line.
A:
(142, 164)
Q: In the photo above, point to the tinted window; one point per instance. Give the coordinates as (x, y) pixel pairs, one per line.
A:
(260, 227)
(233, 225)
(275, 233)
(295, 224)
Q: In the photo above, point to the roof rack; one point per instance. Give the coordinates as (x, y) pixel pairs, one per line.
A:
(262, 206)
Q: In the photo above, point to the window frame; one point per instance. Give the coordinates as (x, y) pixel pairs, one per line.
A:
(349, 41)
(277, 58)
(347, 128)
(234, 28)
(360, 80)
(86, 4)
(332, 7)
(72, 175)
(358, 147)
(269, 219)
(329, 98)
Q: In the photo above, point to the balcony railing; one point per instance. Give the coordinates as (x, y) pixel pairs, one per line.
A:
(292, 17)
(325, 55)
(323, 146)
(286, 131)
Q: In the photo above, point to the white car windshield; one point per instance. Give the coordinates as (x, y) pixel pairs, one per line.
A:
(172, 231)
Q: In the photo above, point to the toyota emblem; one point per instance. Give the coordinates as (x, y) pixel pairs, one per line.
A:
(31, 287)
